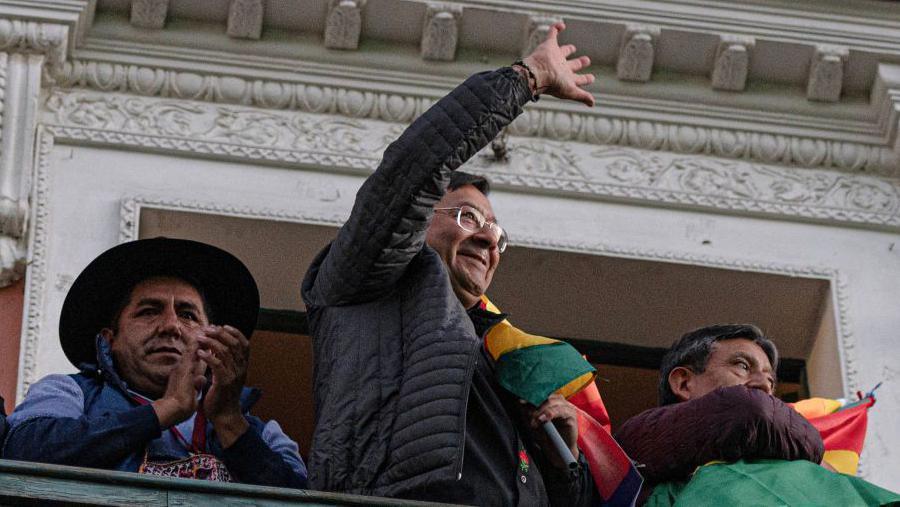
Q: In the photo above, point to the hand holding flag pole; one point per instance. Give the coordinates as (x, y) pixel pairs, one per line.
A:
(560, 445)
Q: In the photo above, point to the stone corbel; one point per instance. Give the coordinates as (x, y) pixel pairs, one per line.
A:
(637, 52)
(826, 73)
(245, 19)
(149, 13)
(536, 29)
(344, 24)
(441, 31)
(25, 48)
(732, 63)
(886, 100)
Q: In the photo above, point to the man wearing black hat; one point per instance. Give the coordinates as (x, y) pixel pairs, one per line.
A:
(160, 390)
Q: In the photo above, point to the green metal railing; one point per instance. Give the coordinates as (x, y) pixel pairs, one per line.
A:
(39, 484)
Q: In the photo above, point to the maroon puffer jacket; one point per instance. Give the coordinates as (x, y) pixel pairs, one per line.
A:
(727, 424)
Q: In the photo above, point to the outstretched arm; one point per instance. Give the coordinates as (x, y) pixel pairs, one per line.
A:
(387, 225)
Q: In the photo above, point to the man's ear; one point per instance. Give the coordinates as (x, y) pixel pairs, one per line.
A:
(680, 382)
(108, 334)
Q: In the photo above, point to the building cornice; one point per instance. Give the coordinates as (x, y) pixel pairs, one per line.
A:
(862, 25)
(851, 144)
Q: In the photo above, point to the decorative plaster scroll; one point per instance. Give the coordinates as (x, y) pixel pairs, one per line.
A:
(606, 171)
(637, 52)
(245, 19)
(719, 142)
(826, 73)
(48, 39)
(595, 127)
(697, 181)
(536, 29)
(441, 31)
(732, 63)
(344, 24)
(149, 13)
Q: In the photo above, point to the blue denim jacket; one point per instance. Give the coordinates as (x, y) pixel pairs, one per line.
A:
(90, 419)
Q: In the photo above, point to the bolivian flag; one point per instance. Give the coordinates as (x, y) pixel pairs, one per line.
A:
(534, 367)
(842, 426)
(769, 482)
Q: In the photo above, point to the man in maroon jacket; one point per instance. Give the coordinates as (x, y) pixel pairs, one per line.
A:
(716, 403)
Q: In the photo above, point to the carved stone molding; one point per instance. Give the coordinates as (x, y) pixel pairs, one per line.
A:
(826, 73)
(441, 31)
(48, 39)
(344, 24)
(245, 19)
(149, 13)
(131, 206)
(536, 29)
(37, 271)
(636, 53)
(20, 82)
(732, 63)
(602, 171)
(696, 182)
(595, 127)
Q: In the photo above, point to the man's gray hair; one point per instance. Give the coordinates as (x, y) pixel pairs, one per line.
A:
(692, 351)
(459, 179)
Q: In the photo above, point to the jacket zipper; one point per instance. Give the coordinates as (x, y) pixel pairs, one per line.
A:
(473, 360)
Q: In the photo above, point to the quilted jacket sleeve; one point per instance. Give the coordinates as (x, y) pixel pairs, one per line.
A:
(386, 228)
(727, 424)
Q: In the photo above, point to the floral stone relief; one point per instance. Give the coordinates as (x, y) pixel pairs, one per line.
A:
(615, 171)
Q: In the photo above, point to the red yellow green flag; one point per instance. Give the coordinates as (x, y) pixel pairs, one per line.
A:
(534, 367)
(842, 426)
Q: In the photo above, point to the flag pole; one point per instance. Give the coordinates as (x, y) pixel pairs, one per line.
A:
(561, 448)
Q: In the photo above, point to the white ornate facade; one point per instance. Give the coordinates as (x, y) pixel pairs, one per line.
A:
(771, 126)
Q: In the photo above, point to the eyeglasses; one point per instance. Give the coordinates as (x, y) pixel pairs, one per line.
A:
(470, 219)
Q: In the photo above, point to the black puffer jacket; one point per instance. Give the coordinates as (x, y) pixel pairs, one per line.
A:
(394, 348)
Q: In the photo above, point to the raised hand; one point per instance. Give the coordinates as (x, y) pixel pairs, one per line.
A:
(179, 402)
(555, 73)
(227, 352)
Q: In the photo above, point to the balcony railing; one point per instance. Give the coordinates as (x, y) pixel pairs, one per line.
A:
(39, 484)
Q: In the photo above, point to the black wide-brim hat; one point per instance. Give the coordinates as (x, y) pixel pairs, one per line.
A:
(227, 285)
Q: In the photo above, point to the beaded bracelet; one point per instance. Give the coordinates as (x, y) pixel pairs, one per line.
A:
(531, 77)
